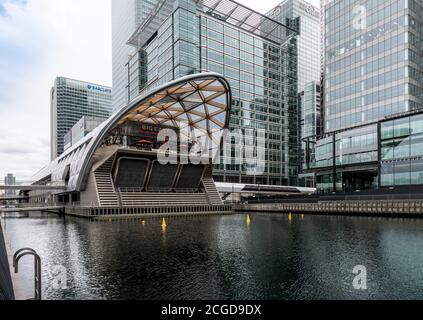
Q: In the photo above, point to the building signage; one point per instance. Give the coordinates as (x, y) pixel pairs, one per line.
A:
(311, 10)
(307, 8)
(276, 12)
(92, 87)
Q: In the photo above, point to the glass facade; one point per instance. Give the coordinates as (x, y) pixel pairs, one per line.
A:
(305, 18)
(372, 72)
(310, 129)
(402, 151)
(338, 153)
(127, 15)
(373, 60)
(263, 78)
(356, 146)
(70, 101)
(137, 75)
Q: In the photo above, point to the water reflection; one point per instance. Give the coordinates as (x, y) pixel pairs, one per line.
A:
(218, 258)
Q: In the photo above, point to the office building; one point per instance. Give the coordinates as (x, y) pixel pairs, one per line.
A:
(70, 101)
(255, 53)
(10, 180)
(127, 15)
(372, 91)
(80, 130)
(310, 104)
(305, 18)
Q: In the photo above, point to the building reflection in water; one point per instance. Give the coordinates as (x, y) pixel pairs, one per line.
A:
(218, 258)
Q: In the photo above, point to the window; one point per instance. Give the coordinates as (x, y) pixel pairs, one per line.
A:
(402, 174)
(402, 127)
(416, 124)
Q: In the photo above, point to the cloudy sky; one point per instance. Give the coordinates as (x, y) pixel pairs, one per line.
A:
(42, 39)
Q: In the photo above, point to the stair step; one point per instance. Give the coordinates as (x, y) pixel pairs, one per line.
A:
(106, 191)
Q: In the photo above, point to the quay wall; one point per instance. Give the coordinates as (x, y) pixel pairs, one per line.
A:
(6, 285)
(388, 208)
(150, 211)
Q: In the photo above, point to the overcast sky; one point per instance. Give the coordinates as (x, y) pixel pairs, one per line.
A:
(42, 39)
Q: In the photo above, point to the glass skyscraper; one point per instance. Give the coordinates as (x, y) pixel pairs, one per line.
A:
(127, 16)
(254, 52)
(373, 72)
(305, 18)
(70, 101)
(310, 108)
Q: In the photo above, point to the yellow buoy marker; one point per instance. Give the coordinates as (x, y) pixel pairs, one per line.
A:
(164, 225)
(290, 216)
(248, 219)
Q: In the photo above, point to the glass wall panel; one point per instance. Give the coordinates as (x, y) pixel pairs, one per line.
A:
(402, 173)
(416, 124)
(387, 174)
(402, 127)
(402, 148)
(416, 146)
(387, 130)
(387, 150)
(417, 172)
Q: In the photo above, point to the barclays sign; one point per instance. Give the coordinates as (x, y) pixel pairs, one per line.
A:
(92, 87)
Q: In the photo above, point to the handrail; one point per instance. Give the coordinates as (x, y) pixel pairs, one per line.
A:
(37, 269)
(159, 190)
(17, 253)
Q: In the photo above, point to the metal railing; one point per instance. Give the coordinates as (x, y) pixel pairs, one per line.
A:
(158, 190)
(37, 269)
(135, 203)
(79, 204)
(385, 207)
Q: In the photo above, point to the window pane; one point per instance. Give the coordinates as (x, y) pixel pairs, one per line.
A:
(402, 127)
(417, 124)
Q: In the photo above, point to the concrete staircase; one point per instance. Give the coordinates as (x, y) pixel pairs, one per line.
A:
(107, 195)
(210, 188)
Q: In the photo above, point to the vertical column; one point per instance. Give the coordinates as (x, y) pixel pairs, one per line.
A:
(334, 161)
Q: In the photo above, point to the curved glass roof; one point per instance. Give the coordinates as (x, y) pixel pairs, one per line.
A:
(197, 105)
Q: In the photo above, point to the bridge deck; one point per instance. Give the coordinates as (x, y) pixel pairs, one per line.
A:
(29, 209)
(33, 187)
(11, 198)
